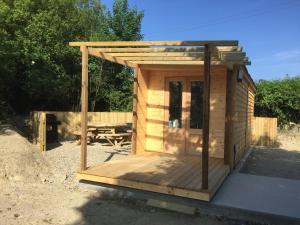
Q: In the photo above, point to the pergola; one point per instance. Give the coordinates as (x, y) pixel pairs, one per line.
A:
(136, 53)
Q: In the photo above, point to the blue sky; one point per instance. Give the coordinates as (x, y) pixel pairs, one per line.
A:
(269, 31)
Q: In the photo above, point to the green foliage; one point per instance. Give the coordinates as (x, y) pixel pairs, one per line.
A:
(279, 98)
(126, 23)
(39, 71)
(112, 84)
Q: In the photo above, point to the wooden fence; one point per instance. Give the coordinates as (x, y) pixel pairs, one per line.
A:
(70, 121)
(264, 131)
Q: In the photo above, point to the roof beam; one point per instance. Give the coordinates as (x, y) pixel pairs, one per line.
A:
(110, 58)
(237, 62)
(218, 50)
(170, 54)
(143, 50)
(229, 48)
(163, 62)
(160, 58)
(157, 43)
(232, 55)
(191, 62)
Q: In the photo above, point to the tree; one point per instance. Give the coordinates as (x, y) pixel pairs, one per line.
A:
(39, 71)
(279, 98)
(113, 83)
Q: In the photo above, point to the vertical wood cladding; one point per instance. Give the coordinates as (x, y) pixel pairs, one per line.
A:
(152, 106)
(242, 115)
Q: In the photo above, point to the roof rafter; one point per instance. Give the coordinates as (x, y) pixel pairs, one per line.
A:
(132, 53)
(149, 49)
(156, 43)
(190, 62)
(171, 54)
(167, 58)
(110, 58)
(164, 62)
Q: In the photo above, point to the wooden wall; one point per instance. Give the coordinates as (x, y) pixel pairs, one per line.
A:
(217, 112)
(152, 86)
(155, 111)
(251, 98)
(141, 110)
(70, 121)
(240, 115)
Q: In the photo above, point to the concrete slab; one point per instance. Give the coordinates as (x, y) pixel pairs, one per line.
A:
(262, 194)
(203, 208)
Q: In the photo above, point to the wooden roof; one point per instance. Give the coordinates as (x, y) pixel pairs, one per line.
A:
(133, 53)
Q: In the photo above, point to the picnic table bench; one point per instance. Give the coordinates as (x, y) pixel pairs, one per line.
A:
(115, 133)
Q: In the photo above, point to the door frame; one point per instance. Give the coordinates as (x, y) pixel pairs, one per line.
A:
(186, 106)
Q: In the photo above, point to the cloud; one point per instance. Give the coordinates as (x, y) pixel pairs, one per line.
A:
(277, 64)
(291, 54)
(285, 57)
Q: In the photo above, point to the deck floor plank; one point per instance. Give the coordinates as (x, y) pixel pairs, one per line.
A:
(182, 173)
(194, 178)
(191, 169)
(176, 170)
(147, 171)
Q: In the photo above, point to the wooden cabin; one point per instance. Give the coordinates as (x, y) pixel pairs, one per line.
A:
(192, 111)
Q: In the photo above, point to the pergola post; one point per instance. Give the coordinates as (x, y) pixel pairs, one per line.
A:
(206, 108)
(84, 107)
(134, 110)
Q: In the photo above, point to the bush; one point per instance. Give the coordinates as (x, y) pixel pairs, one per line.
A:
(279, 98)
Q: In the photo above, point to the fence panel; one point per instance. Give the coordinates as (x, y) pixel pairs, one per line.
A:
(264, 131)
(70, 121)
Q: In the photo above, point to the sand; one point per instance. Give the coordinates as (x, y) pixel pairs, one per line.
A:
(41, 188)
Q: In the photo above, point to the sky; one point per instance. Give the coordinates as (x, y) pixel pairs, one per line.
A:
(268, 31)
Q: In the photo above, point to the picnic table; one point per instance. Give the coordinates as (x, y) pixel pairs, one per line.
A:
(115, 133)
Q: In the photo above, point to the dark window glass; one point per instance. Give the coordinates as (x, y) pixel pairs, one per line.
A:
(196, 104)
(175, 104)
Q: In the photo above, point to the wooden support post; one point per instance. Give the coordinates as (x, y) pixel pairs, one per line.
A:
(206, 108)
(42, 131)
(84, 107)
(134, 110)
(228, 117)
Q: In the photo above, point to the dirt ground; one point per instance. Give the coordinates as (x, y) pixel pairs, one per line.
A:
(40, 188)
(280, 161)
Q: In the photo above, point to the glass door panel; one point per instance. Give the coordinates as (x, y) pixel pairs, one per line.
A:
(196, 108)
(194, 115)
(175, 115)
(175, 104)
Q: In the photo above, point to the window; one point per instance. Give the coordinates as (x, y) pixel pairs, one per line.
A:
(175, 104)
(196, 110)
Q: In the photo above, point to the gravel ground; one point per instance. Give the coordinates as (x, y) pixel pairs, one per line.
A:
(65, 159)
(282, 161)
(41, 188)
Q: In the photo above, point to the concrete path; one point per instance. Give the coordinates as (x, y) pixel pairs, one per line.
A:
(261, 194)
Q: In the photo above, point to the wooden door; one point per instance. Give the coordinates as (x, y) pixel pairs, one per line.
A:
(194, 103)
(175, 115)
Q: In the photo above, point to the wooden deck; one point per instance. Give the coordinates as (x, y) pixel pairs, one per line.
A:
(168, 174)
